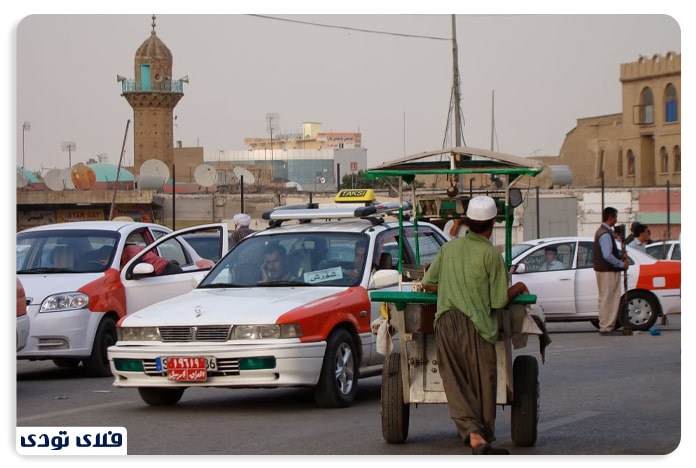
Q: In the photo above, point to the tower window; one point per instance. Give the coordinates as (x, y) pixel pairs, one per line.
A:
(671, 104)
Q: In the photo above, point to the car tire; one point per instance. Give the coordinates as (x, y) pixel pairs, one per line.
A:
(395, 413)
(642, 310)
(155, 396)
(97, 364)
(525, 404)
(66, 362)
(338, 381)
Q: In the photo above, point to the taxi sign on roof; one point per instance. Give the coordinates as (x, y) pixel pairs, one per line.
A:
(355, 195)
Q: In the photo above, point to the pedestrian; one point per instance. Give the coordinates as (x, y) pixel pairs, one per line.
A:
(632, 235)
(241, 228)
(608, 265)
(471, 281)
(642, 238)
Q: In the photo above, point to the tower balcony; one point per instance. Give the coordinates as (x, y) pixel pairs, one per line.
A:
(165, 86)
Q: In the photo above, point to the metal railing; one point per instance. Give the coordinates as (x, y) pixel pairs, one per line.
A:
(166, 86)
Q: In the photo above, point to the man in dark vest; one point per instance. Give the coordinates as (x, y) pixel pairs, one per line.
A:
(608, 265)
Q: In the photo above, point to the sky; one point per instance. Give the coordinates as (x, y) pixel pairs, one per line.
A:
(388, 76)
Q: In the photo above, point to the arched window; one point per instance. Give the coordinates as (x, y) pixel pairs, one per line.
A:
(671, 104)
(619, 164)
(631, 170)
(664, 160)
(647, 114)
(677, 158)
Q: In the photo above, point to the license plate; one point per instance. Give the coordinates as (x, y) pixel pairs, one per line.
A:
(186, 368)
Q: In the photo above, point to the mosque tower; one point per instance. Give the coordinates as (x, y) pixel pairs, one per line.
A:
(153, 95)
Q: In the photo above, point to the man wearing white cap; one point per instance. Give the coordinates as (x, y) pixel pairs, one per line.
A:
(241, 228)
(471, 280)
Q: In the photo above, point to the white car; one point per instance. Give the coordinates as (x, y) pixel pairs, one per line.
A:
(238, 329)
(570, 293)
(77, 289)
(665, 250)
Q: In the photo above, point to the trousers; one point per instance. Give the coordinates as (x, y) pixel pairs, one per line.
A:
(609, 287)
(468, 367)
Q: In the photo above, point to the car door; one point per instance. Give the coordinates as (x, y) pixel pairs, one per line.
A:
(586, 293)
(555, 289)
(143, 290)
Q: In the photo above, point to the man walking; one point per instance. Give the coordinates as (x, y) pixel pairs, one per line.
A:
(608, 265)
(471, 281)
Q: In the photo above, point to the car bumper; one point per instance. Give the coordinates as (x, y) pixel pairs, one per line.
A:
(67, 334)
(22, 331)
(298, 364)
(670, 301)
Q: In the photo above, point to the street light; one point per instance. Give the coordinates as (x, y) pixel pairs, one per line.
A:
(26, 126)
(68, 146)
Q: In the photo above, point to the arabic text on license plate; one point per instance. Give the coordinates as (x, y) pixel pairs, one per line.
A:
(187, 368)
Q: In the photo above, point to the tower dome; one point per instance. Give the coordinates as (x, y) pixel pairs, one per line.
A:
(156, 56)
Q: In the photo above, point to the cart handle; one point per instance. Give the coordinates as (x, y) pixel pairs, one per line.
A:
(402, 298)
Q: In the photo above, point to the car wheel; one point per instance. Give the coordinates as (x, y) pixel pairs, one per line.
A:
(97, 364)
(338, 382)
(66, 362)
(642, 310)
(525, 404)
(160, 396)
(395, 413)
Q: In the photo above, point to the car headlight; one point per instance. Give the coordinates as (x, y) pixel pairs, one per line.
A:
(138, 334)
(263, 332)
(64, 301)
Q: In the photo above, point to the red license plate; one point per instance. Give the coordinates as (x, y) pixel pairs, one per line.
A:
(186, 369)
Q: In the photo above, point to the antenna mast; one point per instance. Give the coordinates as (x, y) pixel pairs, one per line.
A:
(455, 86)
(118, 171)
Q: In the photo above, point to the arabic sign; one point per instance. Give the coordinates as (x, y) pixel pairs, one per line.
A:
(319, 276)
(72, 441)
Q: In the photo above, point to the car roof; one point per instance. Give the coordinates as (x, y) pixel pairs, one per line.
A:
(94, 225)
(352, 225)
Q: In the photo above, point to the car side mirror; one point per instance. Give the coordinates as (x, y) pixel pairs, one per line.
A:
(519, 268)
(143, 269)
(515, 196)
(384, 278)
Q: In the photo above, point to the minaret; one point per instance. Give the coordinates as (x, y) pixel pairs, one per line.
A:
(153, 95)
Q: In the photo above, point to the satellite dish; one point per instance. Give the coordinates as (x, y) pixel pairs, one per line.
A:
(294, 185)
(248, 176)
(150, 182)
(155, 167)
(22, 179)
(54, 180)
(205, 175)
(83, 177)
(66, 174)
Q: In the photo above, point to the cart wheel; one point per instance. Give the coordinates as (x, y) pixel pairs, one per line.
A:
(395, 412)
(525, 404)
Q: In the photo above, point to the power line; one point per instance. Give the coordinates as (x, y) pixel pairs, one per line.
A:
(371, 31)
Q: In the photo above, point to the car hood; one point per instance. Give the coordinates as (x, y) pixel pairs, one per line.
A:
(226, 306)
(38, 286)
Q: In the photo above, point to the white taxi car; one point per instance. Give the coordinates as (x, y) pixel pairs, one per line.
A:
(568, 291)
(77, 288)
(254, 323)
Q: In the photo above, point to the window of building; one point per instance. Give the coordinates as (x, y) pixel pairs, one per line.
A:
(647, 107)
(631, 169)
(671, 104)
(664, 160)
(677, 159)
(619, 164)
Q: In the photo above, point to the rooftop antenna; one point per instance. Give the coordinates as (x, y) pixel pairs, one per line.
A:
(272, 123)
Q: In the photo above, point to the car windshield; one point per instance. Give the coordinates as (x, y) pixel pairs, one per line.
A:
(292, 259)
(65, 251)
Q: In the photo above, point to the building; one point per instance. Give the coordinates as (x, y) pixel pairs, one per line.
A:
(641, 145)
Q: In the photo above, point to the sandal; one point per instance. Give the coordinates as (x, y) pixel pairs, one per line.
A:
(488, 449)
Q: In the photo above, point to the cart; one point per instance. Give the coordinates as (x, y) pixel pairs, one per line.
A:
(410, 374)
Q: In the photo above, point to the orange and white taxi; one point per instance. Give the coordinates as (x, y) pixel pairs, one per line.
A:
(567, 288)
(77, 286)
(287, 306)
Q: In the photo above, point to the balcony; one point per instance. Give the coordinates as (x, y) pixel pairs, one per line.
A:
(166, 86)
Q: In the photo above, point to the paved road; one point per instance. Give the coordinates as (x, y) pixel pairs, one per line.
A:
(599, 395)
